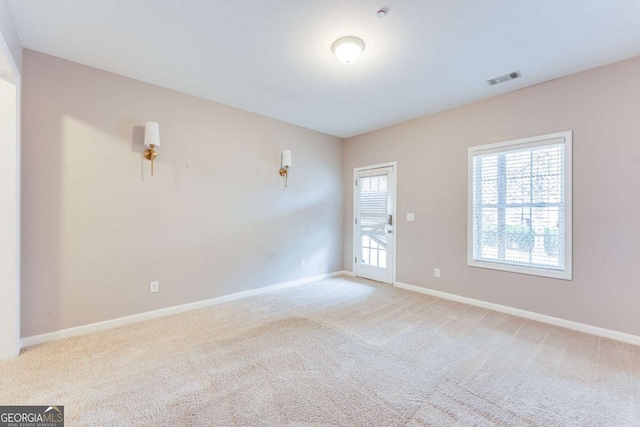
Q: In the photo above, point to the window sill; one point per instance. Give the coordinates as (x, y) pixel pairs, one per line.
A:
(554, 274)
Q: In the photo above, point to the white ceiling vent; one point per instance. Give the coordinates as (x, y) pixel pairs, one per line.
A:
(504, 78)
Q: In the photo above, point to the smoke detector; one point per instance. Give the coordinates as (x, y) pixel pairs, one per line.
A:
(504, 78)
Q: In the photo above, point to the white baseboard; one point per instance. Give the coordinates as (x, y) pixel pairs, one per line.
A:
(114, 323)
(568, 324)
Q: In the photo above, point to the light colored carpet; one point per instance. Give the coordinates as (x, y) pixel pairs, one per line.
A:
(336, 352)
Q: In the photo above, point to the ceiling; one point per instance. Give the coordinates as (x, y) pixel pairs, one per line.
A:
(274, 58)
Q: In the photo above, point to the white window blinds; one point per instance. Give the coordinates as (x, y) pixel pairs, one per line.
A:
(518, 216)
(373, 208)
(373, 200)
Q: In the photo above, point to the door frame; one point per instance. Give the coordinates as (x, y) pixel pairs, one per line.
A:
(10, 343)
(394, 196)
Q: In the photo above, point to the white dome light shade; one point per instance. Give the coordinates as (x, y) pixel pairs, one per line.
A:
(348, 49)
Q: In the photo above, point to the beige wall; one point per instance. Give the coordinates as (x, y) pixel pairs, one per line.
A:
(602, 107)
(214, 220)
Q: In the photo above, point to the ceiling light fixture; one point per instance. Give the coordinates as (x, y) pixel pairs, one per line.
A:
(347, 49)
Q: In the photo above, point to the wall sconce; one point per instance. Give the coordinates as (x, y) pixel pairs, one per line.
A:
(152, 140)
(286, 164)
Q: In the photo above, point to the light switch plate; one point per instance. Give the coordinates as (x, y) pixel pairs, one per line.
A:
(411, 217)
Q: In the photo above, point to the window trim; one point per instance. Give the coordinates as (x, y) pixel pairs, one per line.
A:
(567, 273)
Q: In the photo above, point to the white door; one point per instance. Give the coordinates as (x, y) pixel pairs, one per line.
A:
(374, 234)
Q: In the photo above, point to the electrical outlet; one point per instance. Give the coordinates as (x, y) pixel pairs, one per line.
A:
(411, 217)
(436, 272)
(154, 287)
(302, 263)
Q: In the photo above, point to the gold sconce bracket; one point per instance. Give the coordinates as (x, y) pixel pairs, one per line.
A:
(151, 154)
(285, 173)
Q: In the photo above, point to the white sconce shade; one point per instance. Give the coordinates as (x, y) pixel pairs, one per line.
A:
(286, 159)
(151, 134)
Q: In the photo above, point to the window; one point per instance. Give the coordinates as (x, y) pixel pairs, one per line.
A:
(520, 206)
(373, 220)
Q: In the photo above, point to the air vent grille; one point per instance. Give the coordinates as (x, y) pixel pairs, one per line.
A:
(504, 78)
